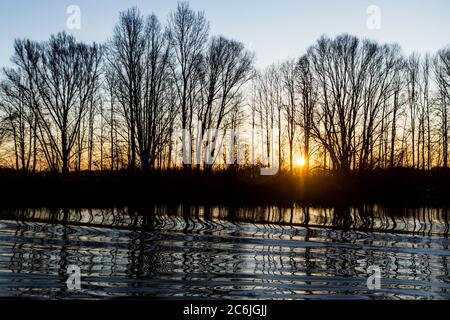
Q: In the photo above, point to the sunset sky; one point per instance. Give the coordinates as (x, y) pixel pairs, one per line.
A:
(275, 30)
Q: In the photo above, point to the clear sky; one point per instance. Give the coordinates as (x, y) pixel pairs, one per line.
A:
(274, 29)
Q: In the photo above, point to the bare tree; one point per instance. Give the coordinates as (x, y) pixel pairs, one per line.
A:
(188, 34)
(67, 78)
(268, 103)
(152, 116)
(441, 67)
(125, 57)
(289, 78)
(306, 86)
(19, 118)
(61, 78)
(226, 68)
(412, 86)
(398, 83)
(339, 85)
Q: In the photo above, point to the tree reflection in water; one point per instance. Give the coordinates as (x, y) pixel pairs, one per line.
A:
(225, 252)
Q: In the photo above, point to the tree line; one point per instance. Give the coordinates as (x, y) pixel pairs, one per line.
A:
(346, 104)
(352, 104)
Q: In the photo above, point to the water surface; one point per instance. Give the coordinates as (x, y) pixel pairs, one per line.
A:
(226, 252)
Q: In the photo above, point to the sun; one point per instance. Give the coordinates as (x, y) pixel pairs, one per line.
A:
(300, 162)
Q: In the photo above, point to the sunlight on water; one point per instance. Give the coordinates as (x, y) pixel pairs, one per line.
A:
(218, 252)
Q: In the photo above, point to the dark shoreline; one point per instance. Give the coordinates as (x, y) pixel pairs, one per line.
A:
(402, 187)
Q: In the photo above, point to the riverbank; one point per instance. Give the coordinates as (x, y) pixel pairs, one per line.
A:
(397, 186)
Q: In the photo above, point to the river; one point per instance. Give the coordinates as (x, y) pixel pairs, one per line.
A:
(185, 251)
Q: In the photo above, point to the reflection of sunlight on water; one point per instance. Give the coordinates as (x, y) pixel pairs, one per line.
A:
(421, 220)
(218, 252)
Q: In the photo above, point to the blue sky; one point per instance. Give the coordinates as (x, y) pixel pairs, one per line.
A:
(274, 29)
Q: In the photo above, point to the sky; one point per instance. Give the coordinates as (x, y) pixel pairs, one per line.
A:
(274, 29)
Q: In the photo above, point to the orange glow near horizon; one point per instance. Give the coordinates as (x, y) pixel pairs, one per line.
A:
(300, 162)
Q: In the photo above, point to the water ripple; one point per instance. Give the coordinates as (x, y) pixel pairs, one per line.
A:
(216, 252)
